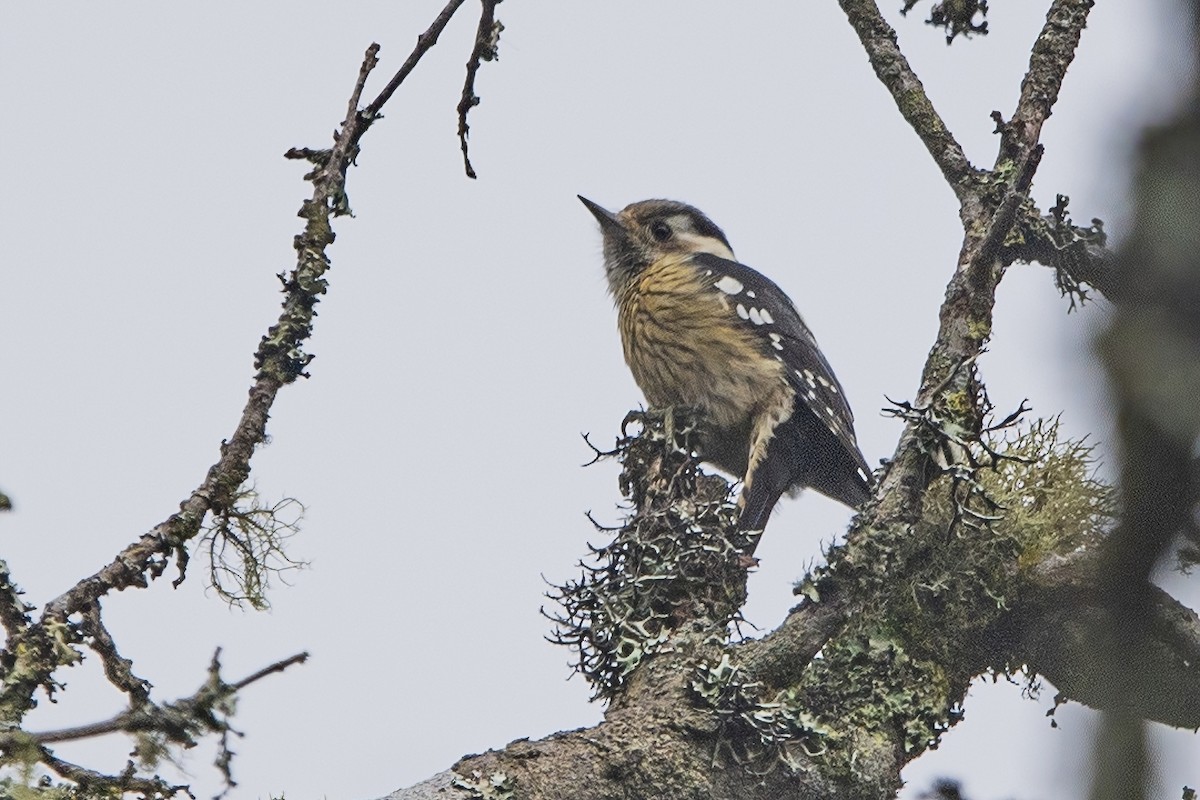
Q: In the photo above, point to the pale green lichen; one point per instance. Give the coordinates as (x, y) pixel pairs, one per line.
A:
(1030, 494)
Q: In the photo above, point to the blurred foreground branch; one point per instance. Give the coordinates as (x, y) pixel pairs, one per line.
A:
(1152, 351)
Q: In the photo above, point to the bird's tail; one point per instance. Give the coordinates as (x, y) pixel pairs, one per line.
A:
(757, 505)
(759, 499)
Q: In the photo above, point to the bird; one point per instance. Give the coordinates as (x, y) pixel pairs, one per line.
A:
(702, 331)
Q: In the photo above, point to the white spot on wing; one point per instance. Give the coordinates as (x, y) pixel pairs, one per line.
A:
(766, 315)
(775, 341)
(751, 294)
(729, 285)
(742, 312)
(755, 316)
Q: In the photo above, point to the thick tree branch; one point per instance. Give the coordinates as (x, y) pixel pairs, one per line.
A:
(657, 743)
(780, 658)
(1053, 631)
(948, 384)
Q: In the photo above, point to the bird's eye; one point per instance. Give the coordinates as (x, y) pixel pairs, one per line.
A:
(661, 231)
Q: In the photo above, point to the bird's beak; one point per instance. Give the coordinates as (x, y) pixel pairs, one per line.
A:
(610, 223)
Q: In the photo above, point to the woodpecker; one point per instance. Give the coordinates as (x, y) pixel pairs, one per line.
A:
(702, 331)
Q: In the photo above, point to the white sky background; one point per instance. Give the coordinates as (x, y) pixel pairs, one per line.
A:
(467, 339)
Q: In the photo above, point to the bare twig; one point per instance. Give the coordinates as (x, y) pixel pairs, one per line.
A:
(425, 42)
(152, 718)
(487, 40)
(278, 666)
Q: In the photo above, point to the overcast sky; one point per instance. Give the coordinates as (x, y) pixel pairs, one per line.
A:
(467, 339)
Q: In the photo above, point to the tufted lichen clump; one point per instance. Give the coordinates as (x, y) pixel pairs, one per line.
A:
(1031, 494)
(677, 560)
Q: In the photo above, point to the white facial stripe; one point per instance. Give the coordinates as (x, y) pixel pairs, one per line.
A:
(695, 243)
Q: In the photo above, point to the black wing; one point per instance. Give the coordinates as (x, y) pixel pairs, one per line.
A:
(764, 307)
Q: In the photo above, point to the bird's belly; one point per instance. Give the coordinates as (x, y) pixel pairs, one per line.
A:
(700, 360)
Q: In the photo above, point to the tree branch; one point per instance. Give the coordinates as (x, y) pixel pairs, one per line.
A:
(1053, 52)
(14, 612)
(425, 43)
(1077, 254)
(165, 719)
(127, 781)
(1054, 632)
(487, 40)
(117, 669)
(879, 40)
(33, 655)
(948, 383)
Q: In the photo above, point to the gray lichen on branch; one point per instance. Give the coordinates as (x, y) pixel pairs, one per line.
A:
(678, 559)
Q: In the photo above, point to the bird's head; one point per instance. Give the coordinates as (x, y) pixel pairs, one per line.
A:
(643, 233)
